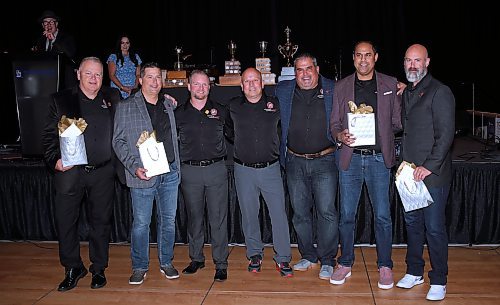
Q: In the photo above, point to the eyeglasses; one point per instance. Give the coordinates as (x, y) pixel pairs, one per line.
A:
(47, 22)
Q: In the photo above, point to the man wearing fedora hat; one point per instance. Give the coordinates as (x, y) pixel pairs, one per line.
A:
(55, 41)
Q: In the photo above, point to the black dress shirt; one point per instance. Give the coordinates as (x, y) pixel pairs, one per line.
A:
(201, 132)
(161, 125)
(253, 127)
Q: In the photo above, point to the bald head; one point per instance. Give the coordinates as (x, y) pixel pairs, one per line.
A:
(252, 84)
(416, 62)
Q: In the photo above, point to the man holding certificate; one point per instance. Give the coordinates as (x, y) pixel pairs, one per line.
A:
(369, 161)
(429, 128)
(135, 119)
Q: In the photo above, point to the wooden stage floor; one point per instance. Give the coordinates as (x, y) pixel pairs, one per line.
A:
(30, 274)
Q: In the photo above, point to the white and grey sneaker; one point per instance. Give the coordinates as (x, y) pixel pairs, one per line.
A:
(408, 281)
(169, 271)
(137, 277)
(303, 265)
(325, 273)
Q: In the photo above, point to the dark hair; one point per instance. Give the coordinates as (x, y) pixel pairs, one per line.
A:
(305, 55)
(131, 52)
(149, 65)
(374, 48)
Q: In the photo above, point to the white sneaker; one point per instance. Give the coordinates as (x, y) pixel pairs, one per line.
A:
(408, 281)
(436, 293)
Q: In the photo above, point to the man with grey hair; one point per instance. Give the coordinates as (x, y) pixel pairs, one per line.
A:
(94, 181)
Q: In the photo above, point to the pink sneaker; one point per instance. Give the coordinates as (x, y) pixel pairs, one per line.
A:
(385, 280)
(340, 274)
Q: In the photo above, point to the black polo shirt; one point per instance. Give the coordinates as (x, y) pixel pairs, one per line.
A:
(201, 132)
(308, 128)
(99, 129)
(161, 125)
(253, 127)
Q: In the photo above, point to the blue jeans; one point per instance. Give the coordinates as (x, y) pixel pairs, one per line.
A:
(165, 193)
(430, 223)
(313, 183)
(371, 170)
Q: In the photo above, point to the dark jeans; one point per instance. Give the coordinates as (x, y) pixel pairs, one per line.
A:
(313, 183)
(370, 169)
(430, 223)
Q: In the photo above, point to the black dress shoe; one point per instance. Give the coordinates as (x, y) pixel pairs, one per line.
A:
(220, 275)
(98, 280)
(73, 275)
(193, 267)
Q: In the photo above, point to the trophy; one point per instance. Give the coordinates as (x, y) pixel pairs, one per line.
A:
(263, 48)
(263, 64)
(178, 76)
(288, 50)
(232, 49)
(232, 69)
(178, 63)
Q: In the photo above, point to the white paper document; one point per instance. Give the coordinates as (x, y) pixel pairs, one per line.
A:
(414, 195)
(362, 126)
(153, 157)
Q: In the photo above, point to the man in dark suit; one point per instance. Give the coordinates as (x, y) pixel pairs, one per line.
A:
(54, 41)
(429, 127)
(367, 163)
(95, 181)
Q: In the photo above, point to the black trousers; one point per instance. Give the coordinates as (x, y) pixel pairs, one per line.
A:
(206, 188)
(97, 187)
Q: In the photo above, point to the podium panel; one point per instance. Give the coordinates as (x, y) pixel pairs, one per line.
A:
(36, 78)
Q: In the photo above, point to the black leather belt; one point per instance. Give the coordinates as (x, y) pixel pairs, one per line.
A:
(256, 164)
(203, 162)
(365, 152)
(89, 168)
(325, 151)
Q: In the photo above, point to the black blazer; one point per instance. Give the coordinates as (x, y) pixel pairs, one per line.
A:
(64, 43)
(66, 103)
(428, 119)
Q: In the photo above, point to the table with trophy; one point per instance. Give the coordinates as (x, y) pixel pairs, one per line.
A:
(178, 77)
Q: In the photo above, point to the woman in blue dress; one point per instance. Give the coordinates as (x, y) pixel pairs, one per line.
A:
(124, 67)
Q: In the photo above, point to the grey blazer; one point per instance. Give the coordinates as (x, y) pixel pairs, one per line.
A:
(131, 119)
(388, 116)
(429, 129)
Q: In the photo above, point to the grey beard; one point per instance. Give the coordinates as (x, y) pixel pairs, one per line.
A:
(415, 77)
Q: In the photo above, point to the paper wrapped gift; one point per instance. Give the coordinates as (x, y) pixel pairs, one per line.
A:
(361, 123)
(414, 195)
(72, 141)
(153, 155)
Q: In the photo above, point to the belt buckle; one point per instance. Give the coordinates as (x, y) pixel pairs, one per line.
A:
(88, 168)
(204, 163)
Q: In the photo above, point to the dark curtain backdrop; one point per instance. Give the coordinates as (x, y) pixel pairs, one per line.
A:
(458, 33)
(27, 208)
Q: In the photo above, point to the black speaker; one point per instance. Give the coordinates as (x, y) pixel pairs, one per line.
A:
(36, 78)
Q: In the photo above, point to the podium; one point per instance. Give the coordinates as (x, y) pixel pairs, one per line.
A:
(36, 78)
